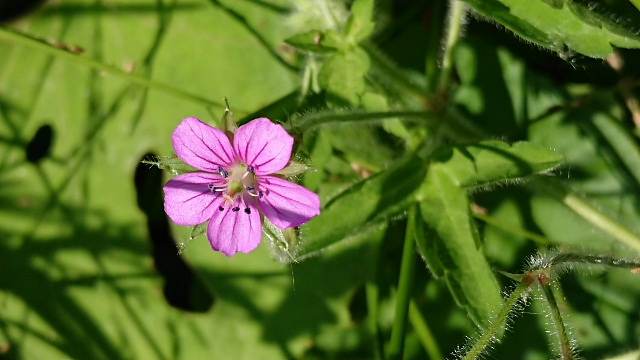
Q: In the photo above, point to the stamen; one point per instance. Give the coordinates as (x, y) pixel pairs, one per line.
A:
(260, 195)
(224, 173)
(210, 186)
(251, 169)
(247, 211)
(235, 209)
(252, 192)
(221, 208)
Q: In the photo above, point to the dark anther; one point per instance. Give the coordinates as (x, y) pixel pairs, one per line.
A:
(260, 195)
(223, 172)
(250, 169)
(210, 186)
(247, 210)
(250, 188)
(235, 209)
(221, 208)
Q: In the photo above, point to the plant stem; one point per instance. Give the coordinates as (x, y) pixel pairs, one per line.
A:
(323, 118)
(433, 44)
(373, 305)
(453, 31)
(588, 212)
(499, 322)
(564, 342)
(62, 52)
(407, 272)
(382, 65)
(538, 239)
(424, 332)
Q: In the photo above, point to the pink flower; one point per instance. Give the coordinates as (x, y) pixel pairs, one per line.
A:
(236, 187)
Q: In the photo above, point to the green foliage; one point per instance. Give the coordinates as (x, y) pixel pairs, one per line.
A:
(376, 199)
(483, 164)
(453, 249)
(560, 25)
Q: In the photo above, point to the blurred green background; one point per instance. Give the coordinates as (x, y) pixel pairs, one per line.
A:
(89, 267)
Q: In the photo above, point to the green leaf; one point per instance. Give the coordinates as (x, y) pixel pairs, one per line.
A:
(451, 245)
(573, 26)
(493, 162)
(84, 283)
(343, 74)
(460, 258)
(360, 24)
(371, 201)
(316, 41)
(373, 151)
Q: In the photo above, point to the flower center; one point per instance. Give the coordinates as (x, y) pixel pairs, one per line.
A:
(241, 185)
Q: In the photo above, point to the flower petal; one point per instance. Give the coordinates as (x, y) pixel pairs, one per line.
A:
(287, 204)
(202, 146)
(263, 145)
(188, 200)
(235, 231)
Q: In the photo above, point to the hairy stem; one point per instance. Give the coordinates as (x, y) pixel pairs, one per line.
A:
(500, 321)
(455, 23)
(559, 329)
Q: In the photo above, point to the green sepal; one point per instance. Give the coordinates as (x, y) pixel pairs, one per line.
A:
(294, 168)
(228, 121)
(316, 41)
(282, 243)
(172, 164)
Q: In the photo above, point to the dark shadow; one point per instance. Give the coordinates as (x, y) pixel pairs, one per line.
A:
(182, 288)
(40, 145)
(13, 9)
(49, 292)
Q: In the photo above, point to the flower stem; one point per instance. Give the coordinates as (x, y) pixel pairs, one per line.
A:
(62, 52)
(424, 332)
(407, 271)
(564, 342)
(453, 31)
(499, 322)
(588, 212)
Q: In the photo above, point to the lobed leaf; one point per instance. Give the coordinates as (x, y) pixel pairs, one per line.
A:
(368, 202)
(360, 24)
(493, 162)
(560, 25)
(460, 258)
(451, 245)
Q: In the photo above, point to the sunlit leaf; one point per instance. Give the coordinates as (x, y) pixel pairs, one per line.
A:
(560, 25)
